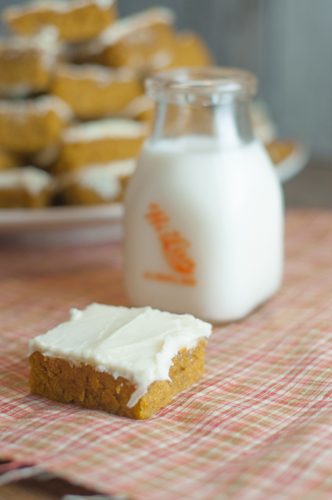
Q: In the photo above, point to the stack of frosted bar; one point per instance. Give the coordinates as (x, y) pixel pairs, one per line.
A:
(72, 108)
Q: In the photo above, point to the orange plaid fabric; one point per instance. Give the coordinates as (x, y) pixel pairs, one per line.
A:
(257, 426)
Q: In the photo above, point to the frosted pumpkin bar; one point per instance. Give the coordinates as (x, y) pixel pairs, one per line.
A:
(25, 187)
(131, 41)
(129, 362)
(27, 63)
(94, 91)
(75, 21)
(100, 141)
(279, 150)
(95, 184)
(28, 125)
(190, 51)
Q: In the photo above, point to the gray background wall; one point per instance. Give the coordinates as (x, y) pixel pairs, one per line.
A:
(287, 43)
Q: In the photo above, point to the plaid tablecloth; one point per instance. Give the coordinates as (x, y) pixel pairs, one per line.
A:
(257, 426)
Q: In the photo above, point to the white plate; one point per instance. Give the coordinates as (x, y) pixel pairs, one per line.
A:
(59, 217)
(59, 225)
(294, 163)
(94, 224)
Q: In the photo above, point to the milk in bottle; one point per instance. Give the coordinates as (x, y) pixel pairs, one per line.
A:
(203, 211)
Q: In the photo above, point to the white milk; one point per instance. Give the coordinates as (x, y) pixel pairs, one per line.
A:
(203, 229)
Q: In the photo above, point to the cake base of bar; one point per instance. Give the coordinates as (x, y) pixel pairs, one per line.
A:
(22, 198)
(74, 194)
(57, 379)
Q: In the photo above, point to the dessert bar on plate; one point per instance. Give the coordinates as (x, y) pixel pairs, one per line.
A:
(28, 125)
(93, 91)
(25, 187)
(134, 40)
(75, 21)
(127, 361)
(96, 183)
(27, 63)
(100, 141)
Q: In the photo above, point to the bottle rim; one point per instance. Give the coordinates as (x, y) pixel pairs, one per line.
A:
(209, 85)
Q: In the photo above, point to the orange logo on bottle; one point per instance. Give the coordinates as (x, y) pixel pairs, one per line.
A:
(174, 248)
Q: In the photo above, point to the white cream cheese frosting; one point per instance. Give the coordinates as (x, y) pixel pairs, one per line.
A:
(138, 105)
(62, 6)
(135, 343)
(102, 76)
(43, 44)
(127, 25)
(104, 179)
(103, 129)
(23, 108)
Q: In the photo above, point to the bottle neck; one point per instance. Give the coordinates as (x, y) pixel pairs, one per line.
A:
(228, 123)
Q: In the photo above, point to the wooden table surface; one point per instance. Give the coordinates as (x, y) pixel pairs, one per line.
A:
(311, 188)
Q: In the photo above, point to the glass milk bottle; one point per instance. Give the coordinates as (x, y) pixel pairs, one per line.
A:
(204, 210)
